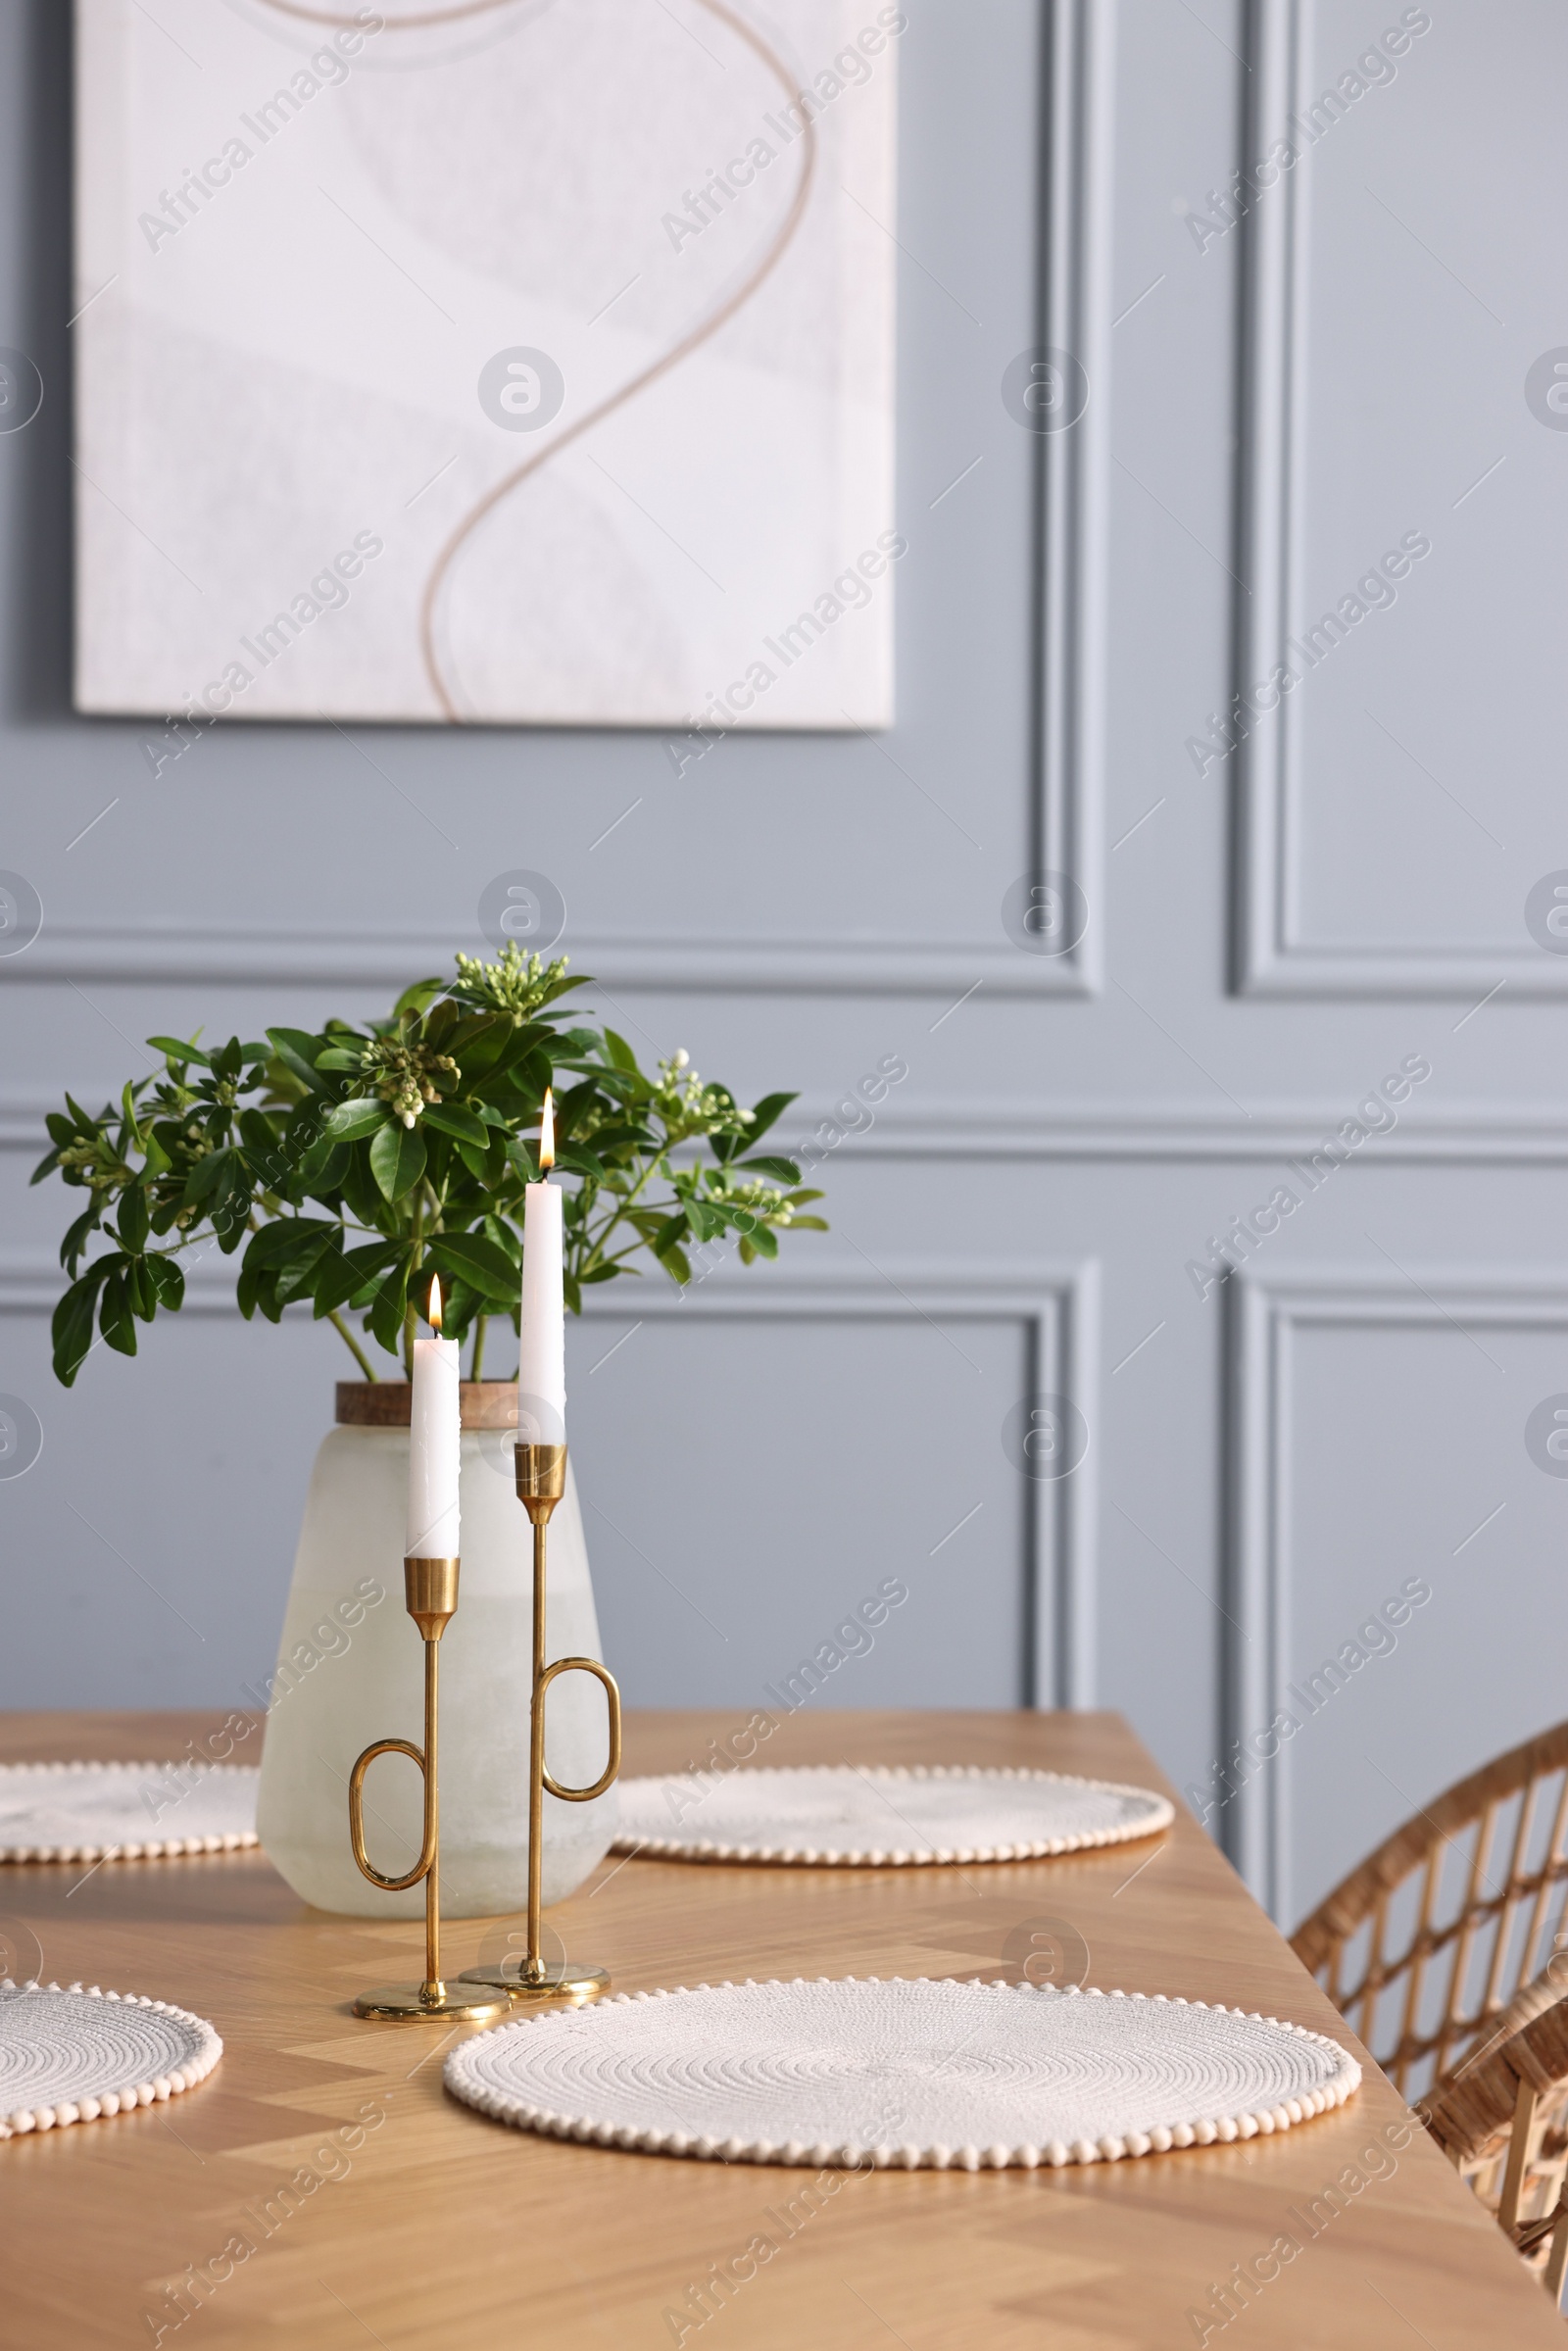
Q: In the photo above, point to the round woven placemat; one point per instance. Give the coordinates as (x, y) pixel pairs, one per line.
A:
(73, 2054)
(849, 1816)
(917, 2073)
(123, 1811)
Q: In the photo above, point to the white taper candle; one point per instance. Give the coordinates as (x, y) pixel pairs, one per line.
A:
(435, 1443)
(542, 1349)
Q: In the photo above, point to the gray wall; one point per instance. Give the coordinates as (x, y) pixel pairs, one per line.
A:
(1267, 415)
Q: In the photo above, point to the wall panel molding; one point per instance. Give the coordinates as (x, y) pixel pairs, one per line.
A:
(1270, 957)
(170, 953)
(1056, 1305)
(1263, 1316)
(1002, 1129)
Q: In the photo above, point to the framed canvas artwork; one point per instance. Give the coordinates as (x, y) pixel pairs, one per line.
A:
(491, 361)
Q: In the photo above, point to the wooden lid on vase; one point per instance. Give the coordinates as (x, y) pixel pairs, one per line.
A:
(386, 1403)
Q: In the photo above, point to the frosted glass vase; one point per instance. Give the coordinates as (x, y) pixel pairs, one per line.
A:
(351, 1668)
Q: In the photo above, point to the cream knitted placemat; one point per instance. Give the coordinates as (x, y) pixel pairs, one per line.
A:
(921, 2073)
(70, 2055)
(125, 1811)
(881, 1816)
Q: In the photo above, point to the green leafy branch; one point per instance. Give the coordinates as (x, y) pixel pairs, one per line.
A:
(353, 1164)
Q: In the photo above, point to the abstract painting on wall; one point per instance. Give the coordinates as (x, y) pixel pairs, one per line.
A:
(500, 362)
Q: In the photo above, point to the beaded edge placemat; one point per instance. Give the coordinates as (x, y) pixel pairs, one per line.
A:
(195, 2068)
(464, 2069)
(106, 1847)
(1157, 1813)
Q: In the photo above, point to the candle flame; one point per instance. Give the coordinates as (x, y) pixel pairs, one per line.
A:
(546, 1132)
(434, 1316)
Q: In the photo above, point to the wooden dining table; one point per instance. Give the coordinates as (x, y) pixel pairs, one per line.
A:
(426, 2225)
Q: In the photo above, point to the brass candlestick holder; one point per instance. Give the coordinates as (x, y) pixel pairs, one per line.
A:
(540, 1483)
(430, 1587)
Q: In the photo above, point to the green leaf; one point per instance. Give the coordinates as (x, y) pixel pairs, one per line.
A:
(570, 1293)
(115, 1317)
(397, 1159)
(61, 1129)
(132, 1219)
(386, 1313)
(297, 1050)
(297, 1279)
(288, 1237)
(72, 1326)
(782, 1171)
(340, 1057)
(206, 1176)
(808, 1224)
(342, 1278)
(364, 1116)
(321, 1170)
(673, 1229)
(415, 997)
(167, 1281)
(449, 1118)
(505, 1238)
(770, 1108)
(471, 1258)
(581, 1160)
(605, 1273)
(140, 1295)
(477, 1043)
(485, 1166)
(76, 1239)
(676, 1264)
(178, 1051)
(620, 1053)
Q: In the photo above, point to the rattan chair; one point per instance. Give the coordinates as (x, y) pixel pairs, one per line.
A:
(1499, 2117)
(1423, 1946)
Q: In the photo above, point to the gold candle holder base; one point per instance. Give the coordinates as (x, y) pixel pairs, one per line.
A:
(562, 1981)
(431, 1595)
(541, 1482)
(450, 2002)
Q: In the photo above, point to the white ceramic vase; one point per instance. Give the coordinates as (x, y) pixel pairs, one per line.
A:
(351, 1671)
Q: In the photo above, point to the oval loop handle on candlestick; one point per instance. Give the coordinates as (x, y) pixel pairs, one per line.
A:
(586, 1665)
(367, 1869)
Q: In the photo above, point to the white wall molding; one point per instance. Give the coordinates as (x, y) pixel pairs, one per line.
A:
(1263, 1316)
(1270, 957)
(991, 1128)
(1058, 1306)
(170, 953)
(1077, 148)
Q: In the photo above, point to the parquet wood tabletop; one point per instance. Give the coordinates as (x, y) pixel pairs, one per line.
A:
(427, 2226)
